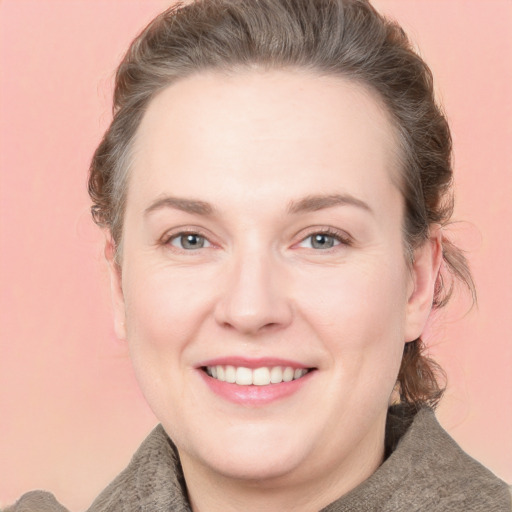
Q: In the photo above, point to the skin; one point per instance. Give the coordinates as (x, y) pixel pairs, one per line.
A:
(250, 144)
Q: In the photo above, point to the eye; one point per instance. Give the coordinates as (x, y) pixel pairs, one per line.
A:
(323, 241)
(189, 241)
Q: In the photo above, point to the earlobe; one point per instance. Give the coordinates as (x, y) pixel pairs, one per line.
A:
(425, 270)
(116, 288)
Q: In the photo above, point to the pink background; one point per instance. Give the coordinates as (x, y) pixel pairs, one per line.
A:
(70, 411)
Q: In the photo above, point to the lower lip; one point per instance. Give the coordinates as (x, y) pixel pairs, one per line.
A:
(254, 395)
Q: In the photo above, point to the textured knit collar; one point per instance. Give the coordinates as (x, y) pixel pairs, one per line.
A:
(426, 470)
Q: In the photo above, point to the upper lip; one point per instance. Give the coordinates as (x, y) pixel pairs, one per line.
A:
(252, 363)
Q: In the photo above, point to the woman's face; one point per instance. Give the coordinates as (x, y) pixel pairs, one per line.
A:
(263, 241)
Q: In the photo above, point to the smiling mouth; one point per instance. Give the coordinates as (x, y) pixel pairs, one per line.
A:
(263, 376)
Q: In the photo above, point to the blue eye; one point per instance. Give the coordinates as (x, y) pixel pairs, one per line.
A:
(189, 241)
(321, 241)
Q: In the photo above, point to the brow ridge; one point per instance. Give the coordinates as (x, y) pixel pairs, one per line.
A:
(187, 205)
(309, 203)
(319, 202)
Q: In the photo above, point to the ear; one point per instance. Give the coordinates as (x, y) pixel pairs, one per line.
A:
(424, 273)
(116, 288)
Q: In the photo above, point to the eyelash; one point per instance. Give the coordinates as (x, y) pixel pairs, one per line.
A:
(343, 238)
(339, 236)
(169, 238)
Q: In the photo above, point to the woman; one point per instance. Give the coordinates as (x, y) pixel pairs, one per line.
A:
(274, 187)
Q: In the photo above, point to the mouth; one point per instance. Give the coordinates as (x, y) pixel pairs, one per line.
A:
(262, 376)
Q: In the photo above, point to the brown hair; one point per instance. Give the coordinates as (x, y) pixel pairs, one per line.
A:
(345, 38)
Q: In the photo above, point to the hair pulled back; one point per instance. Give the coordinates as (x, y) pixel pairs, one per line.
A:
(341, 38)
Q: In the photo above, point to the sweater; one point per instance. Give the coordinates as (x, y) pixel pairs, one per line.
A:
(424, 470)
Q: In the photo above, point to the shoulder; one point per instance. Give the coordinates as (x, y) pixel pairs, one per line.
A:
(36, 501)
(152, 481)
(444, 475)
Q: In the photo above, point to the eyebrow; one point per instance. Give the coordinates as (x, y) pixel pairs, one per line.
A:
(320, 202)
(192, 206)
(307, 204)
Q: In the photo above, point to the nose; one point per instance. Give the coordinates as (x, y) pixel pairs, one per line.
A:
(254, 298)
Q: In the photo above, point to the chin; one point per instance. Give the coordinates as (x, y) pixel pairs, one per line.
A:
(250, 452)
(256, 466)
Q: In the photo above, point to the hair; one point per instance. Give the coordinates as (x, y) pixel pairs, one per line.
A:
(339, 38)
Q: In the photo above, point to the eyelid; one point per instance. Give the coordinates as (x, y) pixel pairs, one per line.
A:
(180, 236)
(342, 236)
(176, 232)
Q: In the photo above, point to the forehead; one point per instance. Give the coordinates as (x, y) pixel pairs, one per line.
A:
(282, 132)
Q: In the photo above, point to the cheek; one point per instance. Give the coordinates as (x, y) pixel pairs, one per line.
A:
(164, 311)
(377, 293)
(359, 313)
(163, 306)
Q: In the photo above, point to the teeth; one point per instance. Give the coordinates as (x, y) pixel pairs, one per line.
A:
(257, 377)
(276, 375)
(230, 374)
(261, 377)
(243, 376)
(288, 374)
